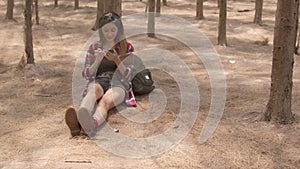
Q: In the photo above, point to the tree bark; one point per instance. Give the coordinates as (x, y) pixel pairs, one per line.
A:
(36, 9)
(147, 5)
(279, 105)
(258, 12)
(10, 9)
(297, 22)
(222, 40)
(76, 4)
(151, 18)
(199, 10)
(28, 32)
(297, 45)
(158, 7)
(117, 7)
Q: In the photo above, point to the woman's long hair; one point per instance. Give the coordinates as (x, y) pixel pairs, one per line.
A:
(120, 40)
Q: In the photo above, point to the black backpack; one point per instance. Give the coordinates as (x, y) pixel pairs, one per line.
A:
(142, 82)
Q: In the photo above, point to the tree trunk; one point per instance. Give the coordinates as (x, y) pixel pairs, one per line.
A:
(297, 45)
(199, 10)
(164, 2)
(258, 12)
(158, 7)
(279, 105)
(219, 3)
(151, 18)
(100, 12)
(117, 7)
(76, 4)
(104, 6)
(222, 40)
(10, 9)
(108, 5)
(147, 5)
(36, 9)
(55, 3)
(297, 42)
(28, 32)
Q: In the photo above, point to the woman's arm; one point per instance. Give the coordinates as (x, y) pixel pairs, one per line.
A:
(99, 54)
(119, 59)
(92, 61)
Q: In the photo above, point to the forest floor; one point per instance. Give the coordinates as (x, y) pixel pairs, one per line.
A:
(33, 99)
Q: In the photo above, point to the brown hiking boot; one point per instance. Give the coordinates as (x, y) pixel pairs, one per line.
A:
(72, 121)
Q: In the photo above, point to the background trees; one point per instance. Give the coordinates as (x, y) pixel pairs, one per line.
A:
(10, 9)
(55, 3)
(151, 18)
(28, 32)
(76, 4)
(258, 12)
(36, 10)
(158, 7)
(199, 9)
(222, 40)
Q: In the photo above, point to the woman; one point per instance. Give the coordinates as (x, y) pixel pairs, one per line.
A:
(107, 76)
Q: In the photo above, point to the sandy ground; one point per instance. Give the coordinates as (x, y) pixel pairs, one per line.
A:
(33, 100)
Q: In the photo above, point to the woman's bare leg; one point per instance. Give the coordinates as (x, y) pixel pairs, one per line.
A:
(95, 92)
(111, 98)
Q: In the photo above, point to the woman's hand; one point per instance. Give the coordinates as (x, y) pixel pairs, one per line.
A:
(112, 55)
(99, 54)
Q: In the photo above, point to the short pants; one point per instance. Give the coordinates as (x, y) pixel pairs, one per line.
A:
(107, 82)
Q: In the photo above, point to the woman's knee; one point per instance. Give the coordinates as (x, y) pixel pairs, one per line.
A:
(96, 88)
(112, 98)
(118, 93)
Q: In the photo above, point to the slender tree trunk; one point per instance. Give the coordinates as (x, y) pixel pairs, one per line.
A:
(36, 9)
(10, 9)
(164, 2)
(151, 18)
(297, 45)
(28, 32)
(258, 12)
(158, 7)
(199, 10)
(219, 3)
(279, 105)
(297, 42)
(76, 4)
(55, 3)
(147, 5)
(222, 40)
